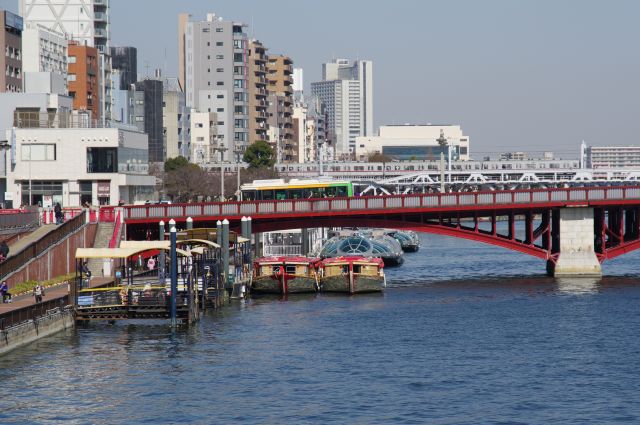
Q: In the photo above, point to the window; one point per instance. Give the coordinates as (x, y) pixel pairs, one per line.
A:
(219, 56)
(139, 118)
(208, 44)
(39, 152)
(71, 59)
(71, 77)
(220, 96)
(199, 139)
(219, 69)
(102, 160)
(220, 123)
(220, 83)
(220, 110)
(219, 43)
(238, 84)
(238, 57)
(218, 29)
(205, 29)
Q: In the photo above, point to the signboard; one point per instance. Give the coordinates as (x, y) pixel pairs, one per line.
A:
(104, 189)
(8, 196)
(85, 300)
(47, 201)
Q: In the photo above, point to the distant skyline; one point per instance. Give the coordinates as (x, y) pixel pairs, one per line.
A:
(516, 75)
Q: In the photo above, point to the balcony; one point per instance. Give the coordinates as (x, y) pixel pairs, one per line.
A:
(101, 32)
(100, 16)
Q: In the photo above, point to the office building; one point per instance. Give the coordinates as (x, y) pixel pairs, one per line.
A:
(153, 124)
(257, 91)
(215, 70)
(85, 22)
(44, 60)
(11, 27)
(125, 60)
(280, 108)
(83, 77)
(347, 91)
(414, 142)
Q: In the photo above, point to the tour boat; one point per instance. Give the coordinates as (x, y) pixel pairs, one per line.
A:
(365, 243)
(352, 274)
(285, 275)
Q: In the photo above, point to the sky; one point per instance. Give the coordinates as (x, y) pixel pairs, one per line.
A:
(516, 75)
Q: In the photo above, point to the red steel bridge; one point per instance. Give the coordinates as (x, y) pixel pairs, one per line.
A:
(607, 222)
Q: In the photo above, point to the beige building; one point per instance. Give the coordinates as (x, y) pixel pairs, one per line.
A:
(414, 142)
(257, 80)
(280, 109)
(203, 138)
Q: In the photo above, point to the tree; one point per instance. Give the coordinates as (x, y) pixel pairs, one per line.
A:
(379, 157)
(187, 183)
(259, 155)
(173, 164)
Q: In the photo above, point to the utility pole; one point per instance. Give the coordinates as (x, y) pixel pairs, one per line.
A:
(442, 141)
(238, 151)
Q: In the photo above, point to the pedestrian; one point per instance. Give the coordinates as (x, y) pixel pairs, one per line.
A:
(86, 271)
(151, 263)
(4, 291)
(58, 213)
(38, 292)
(4, 250)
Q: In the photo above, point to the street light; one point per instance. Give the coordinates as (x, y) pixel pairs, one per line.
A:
(238, 151)
(222, 149)
(442, 141)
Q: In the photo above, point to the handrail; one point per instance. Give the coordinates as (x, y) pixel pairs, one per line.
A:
(36, 248)
(577, 195)
(113, 243)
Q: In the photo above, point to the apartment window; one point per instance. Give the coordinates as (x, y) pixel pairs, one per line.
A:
(71, 59)
(220, 70)
(139, 118)
(102, 160)
(220, 110)
(220, 83)
(218, 29)
(39, 152)
(238, 57)
(199, 139)
(219, 56)
(220, 123)
(219, 43)
(238, 44)
(208, 44)
(205, 29)
(220, 96)
(208, 69)
(71, 77)
(238, 84)
(238, 70)
(199, 125)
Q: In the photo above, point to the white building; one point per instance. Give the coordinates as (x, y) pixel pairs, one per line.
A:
(346, 90)
(44, 60)
(175, 120)
(595, 157)
(203, 137)
(216, 78)
(84, 21)
(414, 142)
(76, 165)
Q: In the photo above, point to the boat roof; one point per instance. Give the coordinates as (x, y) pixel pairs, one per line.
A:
(353, 259)
(287, 260)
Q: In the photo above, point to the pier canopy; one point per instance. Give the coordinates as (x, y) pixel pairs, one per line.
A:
(87, 253)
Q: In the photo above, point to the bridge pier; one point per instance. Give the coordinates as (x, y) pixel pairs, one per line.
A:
(576, 255)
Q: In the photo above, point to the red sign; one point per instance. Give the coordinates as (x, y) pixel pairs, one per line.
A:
(104, 189)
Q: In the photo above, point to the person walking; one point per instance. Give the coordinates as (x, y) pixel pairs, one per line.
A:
(38, 293)
(4, 250)
(58, 213)
(4, 291)
(151, 263)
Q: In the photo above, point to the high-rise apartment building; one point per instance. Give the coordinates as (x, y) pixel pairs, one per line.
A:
(216, 77)
(11, 27)
(44, 60)
(347, 91)
(83, 21)
(153, 123)
(175, 120)
(280, 88)
(257, 71)
(125, 59)
(83, 78)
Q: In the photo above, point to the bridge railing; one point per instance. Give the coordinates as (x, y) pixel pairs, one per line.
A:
(390, 202)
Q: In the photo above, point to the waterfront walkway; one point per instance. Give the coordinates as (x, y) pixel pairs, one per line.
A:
(51, 293)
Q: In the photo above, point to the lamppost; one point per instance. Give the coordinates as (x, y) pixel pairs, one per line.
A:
(442, 141)
(222, 149)
(238, 151)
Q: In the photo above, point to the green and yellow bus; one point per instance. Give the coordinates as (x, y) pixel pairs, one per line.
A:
(266, 190)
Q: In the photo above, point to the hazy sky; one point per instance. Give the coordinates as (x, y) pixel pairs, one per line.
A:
(528, 75)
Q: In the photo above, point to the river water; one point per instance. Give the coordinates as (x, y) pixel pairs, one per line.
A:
(465, 333)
